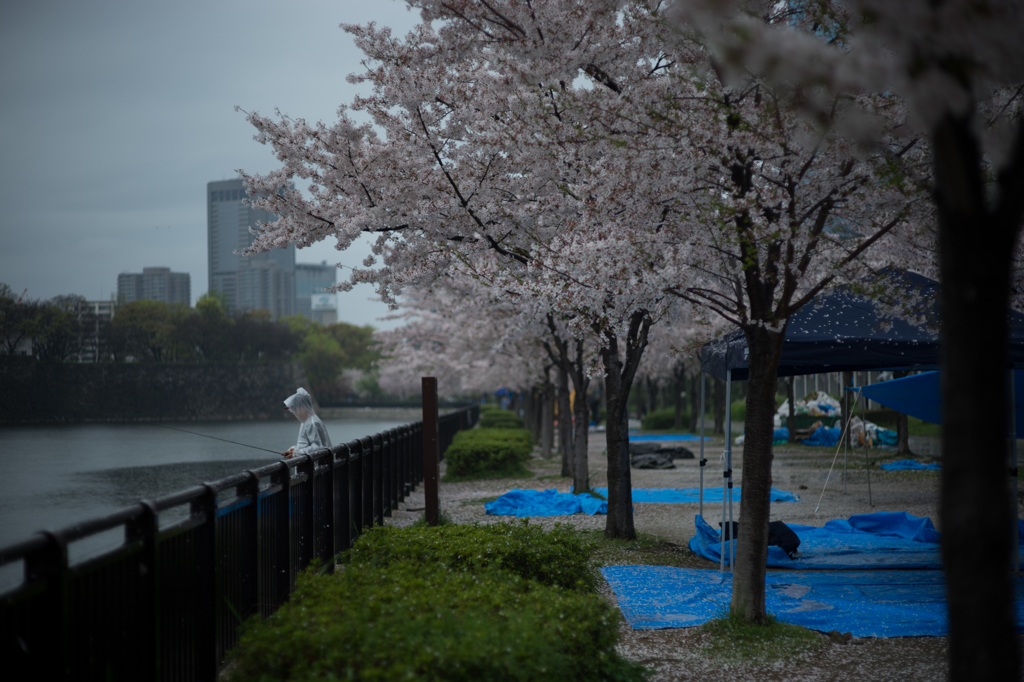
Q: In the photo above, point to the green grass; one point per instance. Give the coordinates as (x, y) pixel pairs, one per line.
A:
(730, 639)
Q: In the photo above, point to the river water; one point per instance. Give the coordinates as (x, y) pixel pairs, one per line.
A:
(56, 475)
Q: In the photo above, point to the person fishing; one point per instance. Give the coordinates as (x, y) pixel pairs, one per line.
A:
(312, 434)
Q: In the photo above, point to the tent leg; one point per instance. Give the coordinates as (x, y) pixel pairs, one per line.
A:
(864, 420)
(728, 462)
(702, 460)
(1013, 469)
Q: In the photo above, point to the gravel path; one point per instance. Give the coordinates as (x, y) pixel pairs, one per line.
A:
(675, 653)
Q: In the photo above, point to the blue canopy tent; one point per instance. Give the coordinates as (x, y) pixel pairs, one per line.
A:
(920, 396)
(844, 331)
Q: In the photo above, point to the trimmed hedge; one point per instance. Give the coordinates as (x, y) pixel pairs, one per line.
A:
(557, 558)
(500, 419)
(488, 453)
(436, 604)
(410, 622)
(662, 420)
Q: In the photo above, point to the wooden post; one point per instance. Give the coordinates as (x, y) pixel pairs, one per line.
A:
(430, 453)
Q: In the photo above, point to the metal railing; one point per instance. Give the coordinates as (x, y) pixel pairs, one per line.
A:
(168, 602)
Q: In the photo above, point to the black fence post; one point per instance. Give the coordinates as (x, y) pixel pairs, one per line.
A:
(379, 443)
(304, 529)
(143, 529)
(326, 534)
(355, 473)
(342, 509)
(368, 488)
(50, 634)
(204, 647)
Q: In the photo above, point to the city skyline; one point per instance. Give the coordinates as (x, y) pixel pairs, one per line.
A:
(112, 127)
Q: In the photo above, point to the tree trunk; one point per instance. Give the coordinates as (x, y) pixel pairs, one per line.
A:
(678, 388)
(720, 406)
(640, 398)
(695, 405)
(529, 418)
(547, 423)
(564, 420)
(748, 597)
(791, 418)
(619, 374)
(581, 417)
(975, 247)
(902, 424)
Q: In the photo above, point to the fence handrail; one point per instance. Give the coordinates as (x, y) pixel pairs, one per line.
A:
(167, 602)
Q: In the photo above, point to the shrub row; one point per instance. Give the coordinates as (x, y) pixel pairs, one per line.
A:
(500, 419)
(662, 420)
(557, 558)
(488, 453)
(400, 611)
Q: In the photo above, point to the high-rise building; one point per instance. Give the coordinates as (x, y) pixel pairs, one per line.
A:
(265, 281)
(155, 284)
(310, 298)
(94, 317)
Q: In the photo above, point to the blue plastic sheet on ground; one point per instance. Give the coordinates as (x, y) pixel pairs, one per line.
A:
(881, 540)
(684, 495)
(824, 436)
(665, 436)
(904, 464)
(545, 503)
(864, 603)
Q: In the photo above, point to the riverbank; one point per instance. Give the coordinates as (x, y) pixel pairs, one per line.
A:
(70, 393)
(674, 653)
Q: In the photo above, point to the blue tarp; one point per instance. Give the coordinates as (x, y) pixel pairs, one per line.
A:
(921, 396)
(880, 540)
(905, 464)
(866, 604)
(666, 437)
(677, 495)
(824, 436)
(546, 503)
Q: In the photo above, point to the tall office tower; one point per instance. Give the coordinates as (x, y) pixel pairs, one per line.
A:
(265, 281)
(310, 299)
(155, 284)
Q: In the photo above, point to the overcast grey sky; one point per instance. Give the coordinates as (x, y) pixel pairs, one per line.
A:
(116, 113)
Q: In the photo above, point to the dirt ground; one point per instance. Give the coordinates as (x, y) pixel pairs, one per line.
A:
(674, 654)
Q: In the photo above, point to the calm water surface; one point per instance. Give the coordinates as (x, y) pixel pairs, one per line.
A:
(54, 476)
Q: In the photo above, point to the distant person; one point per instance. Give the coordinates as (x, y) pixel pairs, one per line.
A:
(312, 434)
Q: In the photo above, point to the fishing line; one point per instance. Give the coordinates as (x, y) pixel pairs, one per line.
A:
(233, 442)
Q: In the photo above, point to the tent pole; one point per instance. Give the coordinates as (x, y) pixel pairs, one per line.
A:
(703, 461)
(728, 462)
(845, 433)
(1013, 468)
(864, 421)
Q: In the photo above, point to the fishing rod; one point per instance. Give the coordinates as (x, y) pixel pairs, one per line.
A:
(234, 442)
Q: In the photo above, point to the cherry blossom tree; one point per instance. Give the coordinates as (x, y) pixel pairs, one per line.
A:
(479, 160)
(959, 67)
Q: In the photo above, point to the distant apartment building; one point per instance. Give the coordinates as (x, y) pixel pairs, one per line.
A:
(155, 284)
(310, 298)
(94, 316)
(265, 281)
